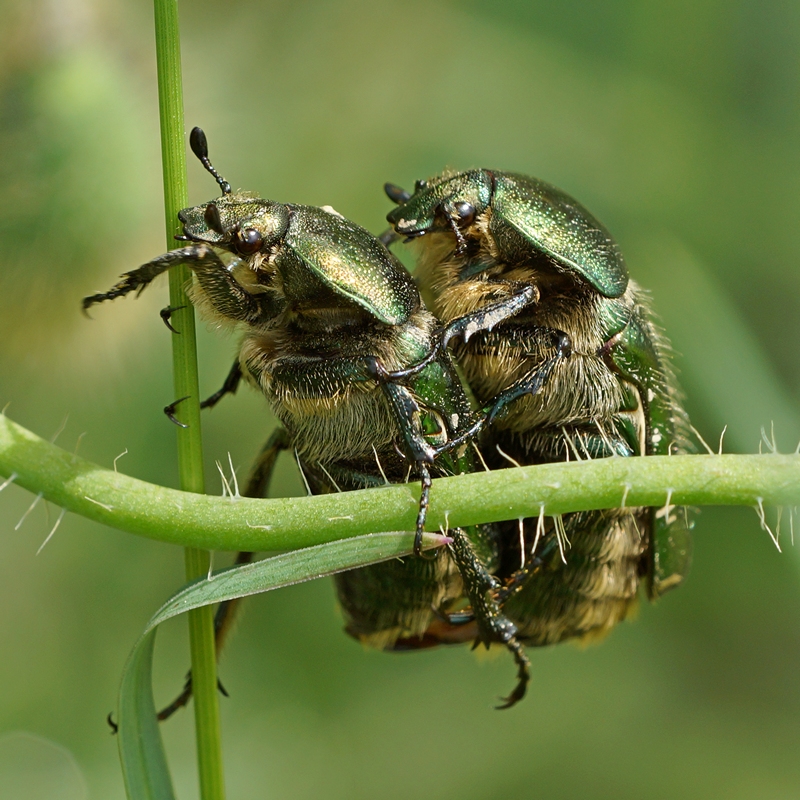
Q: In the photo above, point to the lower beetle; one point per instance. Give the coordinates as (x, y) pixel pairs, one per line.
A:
(519, 258)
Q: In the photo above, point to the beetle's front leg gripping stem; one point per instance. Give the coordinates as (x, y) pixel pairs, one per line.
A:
(225, 294)
(136, 280)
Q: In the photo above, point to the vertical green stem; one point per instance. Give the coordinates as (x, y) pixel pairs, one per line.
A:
(184, 358)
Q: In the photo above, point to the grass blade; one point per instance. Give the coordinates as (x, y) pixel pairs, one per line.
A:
(144, 763)
(141, 751)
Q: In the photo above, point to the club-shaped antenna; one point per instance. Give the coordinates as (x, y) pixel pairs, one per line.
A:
(199, 145)
(396, 194)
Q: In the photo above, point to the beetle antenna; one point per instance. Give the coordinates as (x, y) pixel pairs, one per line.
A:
(396, 194)
(199, 145)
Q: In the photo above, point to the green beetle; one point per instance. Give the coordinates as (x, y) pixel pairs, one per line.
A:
(325, 310)
(515, 259)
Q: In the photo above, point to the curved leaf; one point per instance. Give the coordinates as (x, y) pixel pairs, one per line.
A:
(144, 763)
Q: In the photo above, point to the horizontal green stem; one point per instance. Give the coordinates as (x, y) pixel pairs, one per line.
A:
(219, 523)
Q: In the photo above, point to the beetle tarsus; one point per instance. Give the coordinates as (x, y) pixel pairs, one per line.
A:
(170, 412)
(230, 386)
(518, 580)
(523, 675)
(466, 326)
(166, 315)
(184, 697)
(179, 702)
(424, 499)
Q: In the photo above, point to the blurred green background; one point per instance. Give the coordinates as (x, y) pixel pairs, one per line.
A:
(676, 123)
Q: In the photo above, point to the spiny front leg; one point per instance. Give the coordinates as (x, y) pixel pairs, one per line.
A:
(227, 297)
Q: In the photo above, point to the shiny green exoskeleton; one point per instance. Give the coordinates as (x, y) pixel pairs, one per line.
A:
(325, 309)
(518, 259)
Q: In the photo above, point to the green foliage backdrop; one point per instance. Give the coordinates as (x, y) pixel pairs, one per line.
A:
(675, 123)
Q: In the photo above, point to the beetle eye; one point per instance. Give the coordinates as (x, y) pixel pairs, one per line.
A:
(247, 241)
(465, 213)
(420, 185)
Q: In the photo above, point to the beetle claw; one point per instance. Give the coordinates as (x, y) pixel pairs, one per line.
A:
(166, 314)
(523, 675)
(170, 412)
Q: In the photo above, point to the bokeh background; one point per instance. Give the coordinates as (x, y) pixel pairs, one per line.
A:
(677, 123)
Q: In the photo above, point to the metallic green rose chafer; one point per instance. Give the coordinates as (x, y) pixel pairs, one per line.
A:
(515, 259)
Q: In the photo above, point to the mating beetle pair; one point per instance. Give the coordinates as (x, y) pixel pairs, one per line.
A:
(358, 372)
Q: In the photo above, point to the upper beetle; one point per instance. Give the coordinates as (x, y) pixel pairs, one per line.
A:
(324, 309)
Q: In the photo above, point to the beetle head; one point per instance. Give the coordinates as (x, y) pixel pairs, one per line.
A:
(449, 202)
(239, 223)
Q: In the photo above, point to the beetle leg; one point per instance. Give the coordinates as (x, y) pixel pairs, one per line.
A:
(182, 699)
(406, 412)
(424, 499)
(518, 580)
(257, 486)
(170, 412)
(225, 294)
(523, 675)
(484, 319)
(230, 386)
(479, 585)
(166, 314)
(531, 384)
(493, 625)
(492, 314)
(389, 237)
